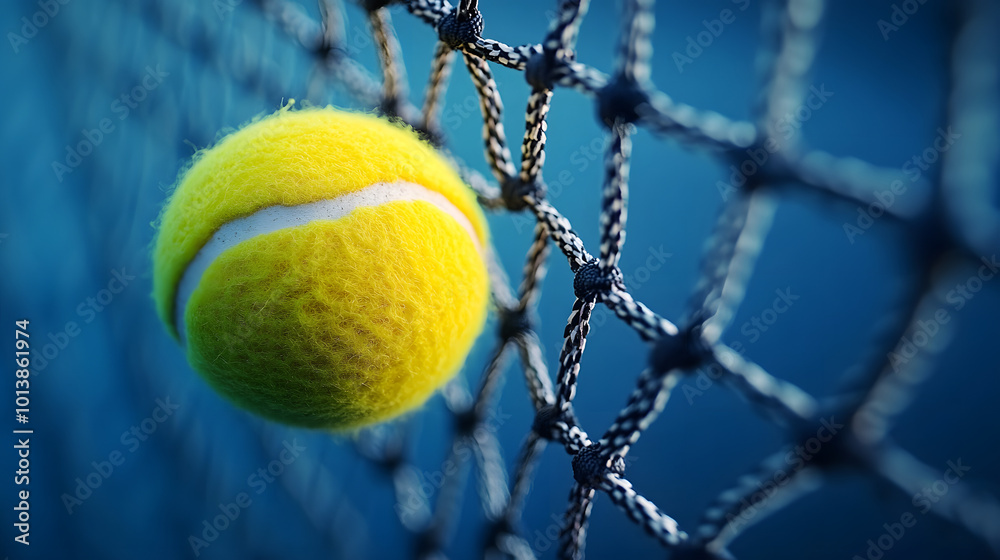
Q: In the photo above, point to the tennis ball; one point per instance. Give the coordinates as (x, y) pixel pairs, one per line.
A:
(322, 268)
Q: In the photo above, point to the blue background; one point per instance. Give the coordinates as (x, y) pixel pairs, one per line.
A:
(62, 238)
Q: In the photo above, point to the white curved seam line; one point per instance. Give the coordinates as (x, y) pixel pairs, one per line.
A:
(275, 218)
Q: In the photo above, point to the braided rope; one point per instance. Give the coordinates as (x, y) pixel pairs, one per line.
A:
(966, 228)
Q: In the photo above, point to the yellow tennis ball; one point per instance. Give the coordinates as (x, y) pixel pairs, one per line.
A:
(322, 269)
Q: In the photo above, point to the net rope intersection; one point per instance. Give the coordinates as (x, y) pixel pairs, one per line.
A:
(954, 220)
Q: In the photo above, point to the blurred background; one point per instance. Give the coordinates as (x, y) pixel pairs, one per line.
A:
(114, 404)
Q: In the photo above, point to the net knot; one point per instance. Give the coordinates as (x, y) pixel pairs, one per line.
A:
(827, 440)
(548, 418)
(591, 465)
(514, 190)
(498, 532)
(514, 322)
(466, 421)
(619, 102)
(539, 69)
(428, 542)
(456, 29)
(393, 460)
(684, 350)
(593, 279)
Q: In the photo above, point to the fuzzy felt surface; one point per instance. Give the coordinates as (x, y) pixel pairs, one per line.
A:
(338, 324)
(334, 324)
(288, 158)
